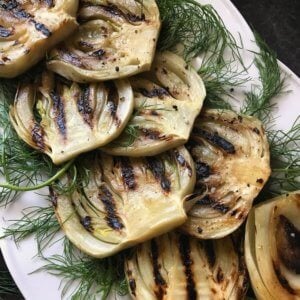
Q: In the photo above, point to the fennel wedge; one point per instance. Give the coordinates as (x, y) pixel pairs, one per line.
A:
(115, 39)
(232, 158)
(167, 101)
(126, 201)
(175, 266)
(28, 29)
(272, 249)
(63, 119)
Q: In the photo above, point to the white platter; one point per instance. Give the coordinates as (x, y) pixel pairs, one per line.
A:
(21, 261)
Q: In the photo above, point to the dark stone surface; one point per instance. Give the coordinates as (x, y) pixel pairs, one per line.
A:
(277, 21)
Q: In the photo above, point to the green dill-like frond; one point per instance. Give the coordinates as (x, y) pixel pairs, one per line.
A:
(38, 221)
(197, 27)
(85, 277)
(285, 160)
(7, 285)
(131, 133)
(259, 101)
(220, 80)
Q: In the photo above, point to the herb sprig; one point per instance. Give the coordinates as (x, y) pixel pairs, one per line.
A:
(285, 160)
(220, 80)
(197, 27)
(40, 221)
(260, 101)
(85, 277)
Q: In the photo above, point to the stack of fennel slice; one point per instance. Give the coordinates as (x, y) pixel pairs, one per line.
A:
(143, 182)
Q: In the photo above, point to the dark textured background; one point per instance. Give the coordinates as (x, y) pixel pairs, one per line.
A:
(277, 21)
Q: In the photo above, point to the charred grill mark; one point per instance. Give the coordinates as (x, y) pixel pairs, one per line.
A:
(85, 44)
(112, 107)
(234, 212)
(127, 172)
(135, 18)
(288, 244)
(185, 254)
(215, 139)
(132, 286)
(207, 201)
(112, 98)
(53, 196)
(154, 134)
(99, 53)
(181, 160)
(202, 170)
(9, 5)
(151, 134)
(115, 11)
(59, 112)
(131, 282)
(84, 107)
(220, 276)
(192, 143)
(158, 279)
(112, 217)
(256, 130)
(208, 247)
(112, 9)
(42, 28)
(86, 222)
(158, 170)
(5, 32)
(21, 14)
(37, 135)
(282, 280)
(49, 3)
(156, 92)
(71, 58)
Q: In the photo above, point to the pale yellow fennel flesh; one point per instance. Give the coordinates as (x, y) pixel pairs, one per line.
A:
(72, 118)
(167, 101)
(126, 201)
(115, 39)
(28, 29)
(231, 154)
(175, 266)
(272, 249)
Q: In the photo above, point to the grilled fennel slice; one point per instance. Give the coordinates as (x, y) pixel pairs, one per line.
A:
(28, 29)
(272, 248)
(232, 158)
(175, 266)
(167, 101)
(126, 201)
(72, 118)
(116, 38)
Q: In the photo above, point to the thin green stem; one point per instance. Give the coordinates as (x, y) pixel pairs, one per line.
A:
(48, 182)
